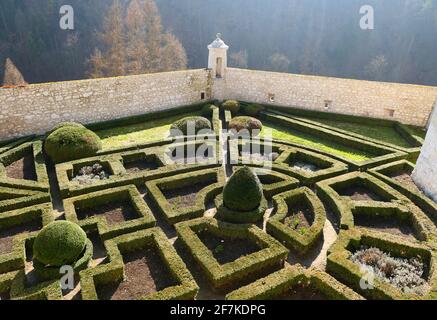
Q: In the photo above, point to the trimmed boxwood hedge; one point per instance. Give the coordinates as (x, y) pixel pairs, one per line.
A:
(172, 215)
(383, 154)
(126, 193)
(15, 260)
(291, 238)
(396, 205)
(119, 177)
(273, 182)
(329, 167)
(282, 281)
(428, 206)
(342, 268)
(113, 271)
(231, 105)
(222, 276)
(7, 158)
(19, 290)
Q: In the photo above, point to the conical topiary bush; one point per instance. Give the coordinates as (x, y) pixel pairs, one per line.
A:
(242, 200)
(243, 192)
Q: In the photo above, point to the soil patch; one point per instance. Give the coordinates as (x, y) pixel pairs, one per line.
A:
(227, 250)
(115, 212)
(304, 166)
(146, 274)
(4, 296)
(185, 196)
(302, 292)
(405, 179)
(7, 235)
(23, 168)
(360, 193)
(140, 165)
(385, 224)
(300, 217)
(269, 179)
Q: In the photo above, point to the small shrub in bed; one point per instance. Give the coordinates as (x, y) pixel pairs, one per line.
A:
(71, 143)
(59, 243)
(253, 109)
(231, 105)
(405, 274)
(208, 109)
(90, 174)
(184, 125)
(243, 199)
(246, 123)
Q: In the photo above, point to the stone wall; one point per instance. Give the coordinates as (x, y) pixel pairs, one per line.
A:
(410, 104)
(425, 173)
(37, 108)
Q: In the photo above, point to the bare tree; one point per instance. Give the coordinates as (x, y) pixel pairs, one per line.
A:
(279, 62)
(240, 59)
(12, 76)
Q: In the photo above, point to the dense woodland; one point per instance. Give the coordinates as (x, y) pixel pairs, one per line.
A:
(301, 36)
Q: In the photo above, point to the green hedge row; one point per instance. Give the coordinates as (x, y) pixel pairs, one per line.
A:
(39, 213)
(282, 281)
(328, 167)
(382, 153)
(273, 182)
(13, 143)
(341, 267)
(113, 271)
(19, 289)
(173, 215)
(13, 199)
(119, 176)
(293, 239)
(394, 204)
(428, 206)
(271, 255)
(12, 155)
(129, 194)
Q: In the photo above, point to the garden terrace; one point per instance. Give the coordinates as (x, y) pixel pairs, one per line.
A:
(333, 186)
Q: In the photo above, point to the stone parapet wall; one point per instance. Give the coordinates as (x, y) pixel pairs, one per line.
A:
(410, 104)
(35, 109)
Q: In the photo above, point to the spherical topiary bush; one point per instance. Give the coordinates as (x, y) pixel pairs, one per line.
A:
(243, 191)
(253, 109)
(231, 105)
(71, 143)
(59, 243)
(199, 123)
(208, 110)
(63, 125)
(246, 123)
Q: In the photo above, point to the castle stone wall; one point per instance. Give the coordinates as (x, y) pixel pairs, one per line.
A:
(34, 109)
(410, 104)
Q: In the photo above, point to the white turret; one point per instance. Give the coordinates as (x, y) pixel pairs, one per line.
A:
(218, 57)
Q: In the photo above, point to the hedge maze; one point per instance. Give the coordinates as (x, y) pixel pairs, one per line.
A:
(337, 215)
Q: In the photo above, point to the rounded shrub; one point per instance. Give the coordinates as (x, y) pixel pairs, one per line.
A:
(70, 143)
(243, 191)
(253, 109)
(200, 123)
(63, 125)
(247, 123)
(208, 110)
(231, 105)
(59, 243)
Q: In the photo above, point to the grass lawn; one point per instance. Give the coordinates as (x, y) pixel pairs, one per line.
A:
(384, 134)
(281, 133)
(144, 132)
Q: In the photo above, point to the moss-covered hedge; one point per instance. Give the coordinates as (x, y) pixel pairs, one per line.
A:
(231, 105)
(342, 268)
(291, 238)
(190, 126)
(128, 194)
(174, 215)
(113, 271)
(222, 276)
(249, 125)
(282, 281)
(71, 143)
